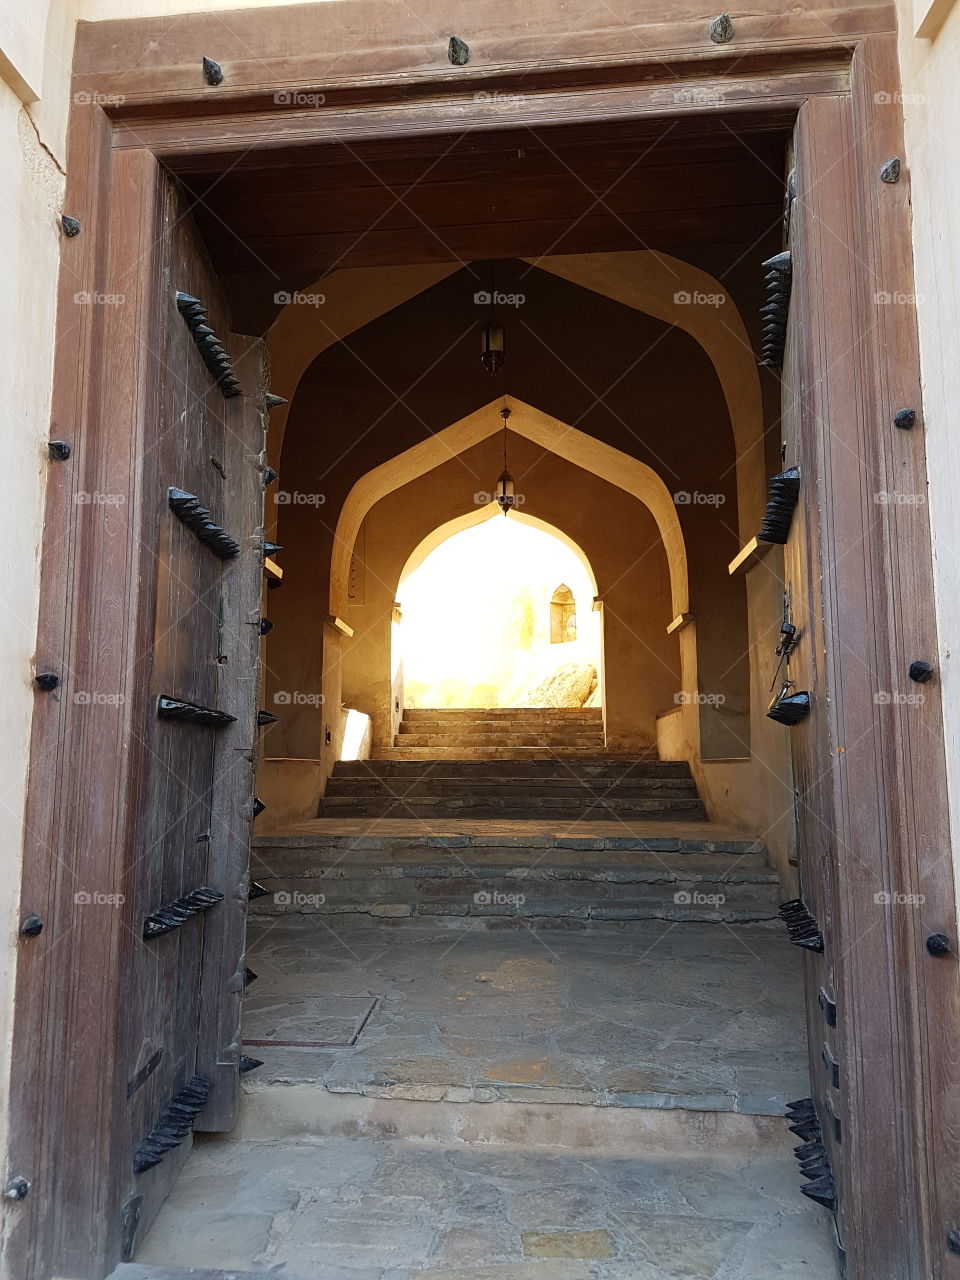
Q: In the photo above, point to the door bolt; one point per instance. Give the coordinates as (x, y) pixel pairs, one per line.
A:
(920, 672)
(32, 927)
(938, 944)
(212, 71)
(905, 419)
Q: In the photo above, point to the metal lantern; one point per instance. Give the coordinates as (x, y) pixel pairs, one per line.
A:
(492, 354)
(506, 491)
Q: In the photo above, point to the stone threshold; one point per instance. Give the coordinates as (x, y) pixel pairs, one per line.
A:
(302, 1111)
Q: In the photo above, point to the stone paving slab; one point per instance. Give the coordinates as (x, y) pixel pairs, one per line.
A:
(693, 1016)
(392, 1210)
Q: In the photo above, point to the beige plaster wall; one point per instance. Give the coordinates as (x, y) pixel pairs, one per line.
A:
(34, 91)
(930, 70)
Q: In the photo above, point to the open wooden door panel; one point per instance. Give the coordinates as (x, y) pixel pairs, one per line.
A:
(203, 512)
(129, 994)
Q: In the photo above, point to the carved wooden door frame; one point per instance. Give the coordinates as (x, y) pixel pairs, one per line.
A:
(884, 793)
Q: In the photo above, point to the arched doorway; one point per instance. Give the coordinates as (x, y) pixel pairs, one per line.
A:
(478, 618)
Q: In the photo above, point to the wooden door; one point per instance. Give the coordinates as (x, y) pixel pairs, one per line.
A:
(203, 474)
(128, 1022)
(868, 761)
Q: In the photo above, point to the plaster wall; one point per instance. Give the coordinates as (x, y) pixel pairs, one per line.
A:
(929, 42)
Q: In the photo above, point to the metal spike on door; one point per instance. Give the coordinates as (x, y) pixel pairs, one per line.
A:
(188, 509)
(174, 1124)
(173, 914)
(789, 708)
(783, 493)
(776, 312)
(212, 350)
(191, 712)
(804, 932)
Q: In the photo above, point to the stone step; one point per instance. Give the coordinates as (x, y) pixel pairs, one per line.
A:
(460, 714)
(520, 807)
(406, 751)
(588, 740)
(501, 726)
(703, 887)
(574, 790)
(590, 769)
(395, 838)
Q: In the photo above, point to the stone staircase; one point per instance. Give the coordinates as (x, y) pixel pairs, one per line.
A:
(585, 788)
(497, 733)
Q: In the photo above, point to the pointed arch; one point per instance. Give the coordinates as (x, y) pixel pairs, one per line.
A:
(601, 459)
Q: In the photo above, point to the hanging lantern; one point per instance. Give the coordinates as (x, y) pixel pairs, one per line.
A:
(492, 354)
(506, 491)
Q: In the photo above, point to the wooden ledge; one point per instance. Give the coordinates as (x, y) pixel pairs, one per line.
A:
(751, 554)
(680, 621)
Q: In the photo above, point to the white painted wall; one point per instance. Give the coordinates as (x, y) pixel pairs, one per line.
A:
(930, 68)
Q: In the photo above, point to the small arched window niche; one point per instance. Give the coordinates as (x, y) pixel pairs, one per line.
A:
(563, 615)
